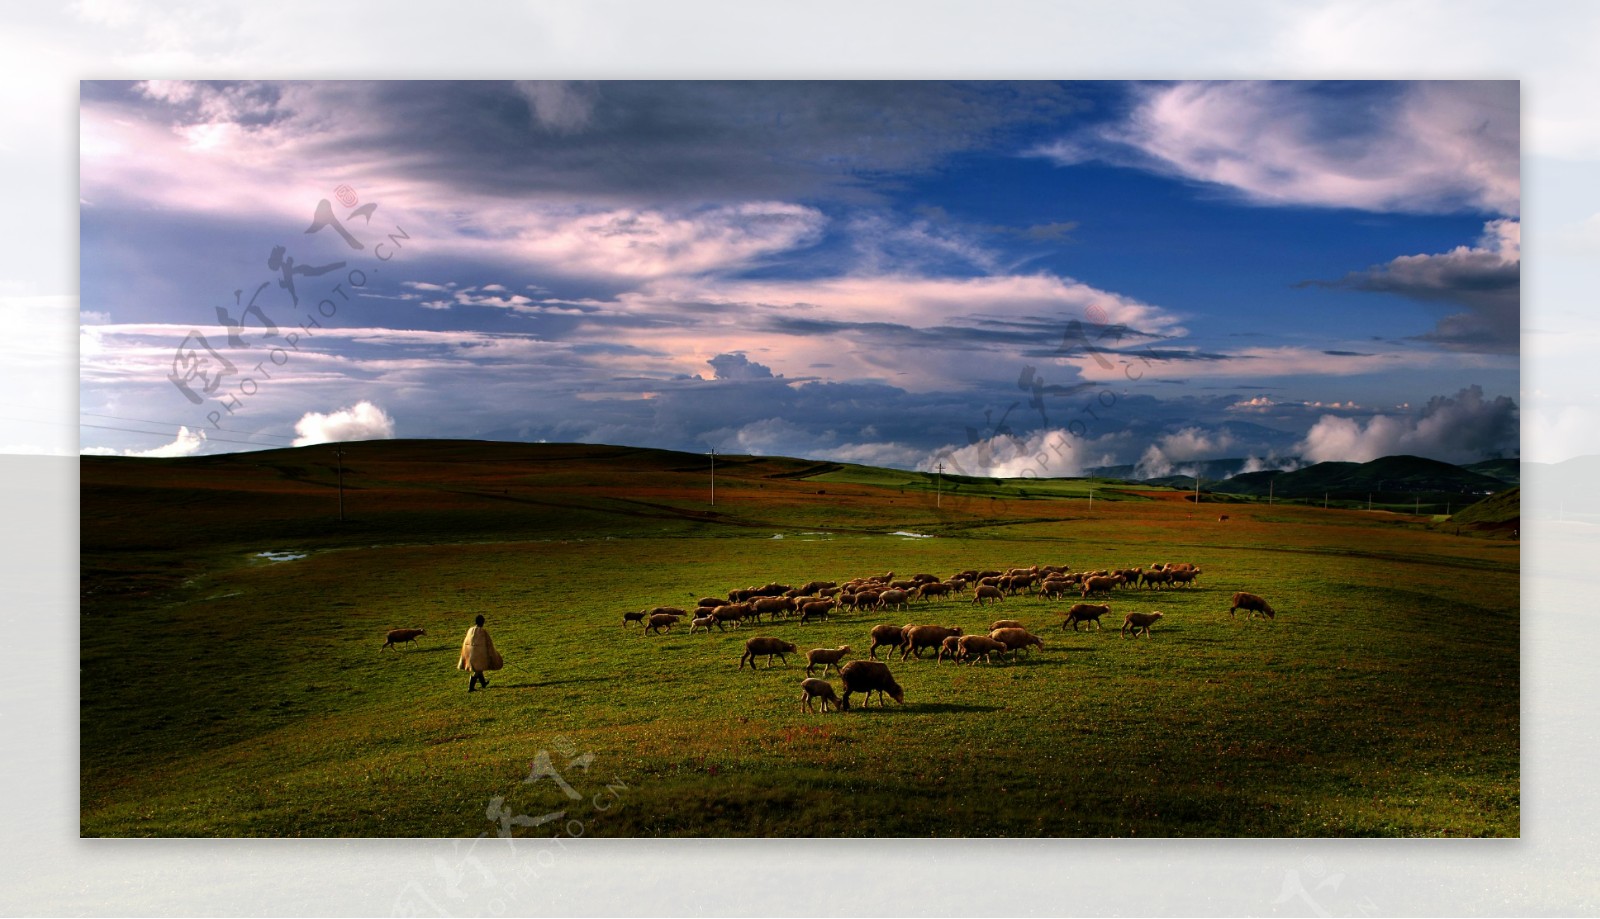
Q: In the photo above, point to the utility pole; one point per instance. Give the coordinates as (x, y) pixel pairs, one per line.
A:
(1197, 489)
(938, 485)
(1369, 500)
(713, 476)
(1091, 500)
(1271, 484)
(339, 454)
(1418, 511)
(1324, 500)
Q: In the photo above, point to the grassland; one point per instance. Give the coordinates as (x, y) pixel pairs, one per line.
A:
(224, 694)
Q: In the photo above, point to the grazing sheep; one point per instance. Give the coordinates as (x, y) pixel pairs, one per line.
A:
(1085, 612)
(916, 637)
(1222, 518)
(1140, 622)
(1155, 576)
(869, 677)
(817, 689)
(932, 589)
(1055, 587)
(828, 592)
(905, 584)
(827, 657)
(401, 637)
(817, 609)
(1185, 575)
(704, 622)
(771, 647)
(893, 599)
(659, 621)
(772, 606)
(633, 617)
(1006, 624)
(976, 646)
(866, 599)
(814, 586)
(712, 602)
(1014, 638)
(951, 646)
(733, 612)
(987, 592)
(1100, 584)
(885, 636)
(668, 610)
(1253, 603)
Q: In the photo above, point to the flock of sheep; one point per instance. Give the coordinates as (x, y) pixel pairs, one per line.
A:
(815, 600)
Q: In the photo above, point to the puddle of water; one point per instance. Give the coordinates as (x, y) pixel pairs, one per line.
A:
(777, 536)
(912, 535)
(280, 556)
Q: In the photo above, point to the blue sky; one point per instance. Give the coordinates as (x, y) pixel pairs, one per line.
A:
(869, 272)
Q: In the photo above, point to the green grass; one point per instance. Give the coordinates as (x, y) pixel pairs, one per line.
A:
(223, 695)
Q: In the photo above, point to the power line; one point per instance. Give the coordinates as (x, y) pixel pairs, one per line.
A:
(169, 434)
(180, 424)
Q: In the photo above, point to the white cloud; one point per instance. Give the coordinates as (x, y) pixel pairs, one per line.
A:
(1462, 428)
(362, 421)
(187, 443)
(1046, 453)
(1434, 147)
(1190, 444)
(559, 107)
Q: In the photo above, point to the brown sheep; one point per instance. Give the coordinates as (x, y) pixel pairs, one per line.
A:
(869, 677)
(816, 609)
(917, 637)
(1185, 575)
(1085, 612)
(885, 636)
(1015, 639)
(933, 589)
(976, 646)
(814, 586)
(818, 689)
(1222, 518)
(987, 592)
(1253, 603)
(1140, 622)
(893, 599)
(665, 610)
(1100, 584)
(658, 621)
(707, 602)
(950, 646)
(633, 617)
(1006, 624)
(704, 622)
(401, 637)
(771, 647)
(772, 606)
(1155, 576)
(1055, 587)
(827, 657)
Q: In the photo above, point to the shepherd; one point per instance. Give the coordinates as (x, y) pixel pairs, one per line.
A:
(478, 654)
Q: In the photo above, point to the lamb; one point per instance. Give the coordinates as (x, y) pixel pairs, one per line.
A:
(401, 637)
(1085, 612)
(976, 646)
(1014, 638)
(818, 689)
(1006, 624)
(1253, 603)
(817, 609)
(632, 617)
(1140, 622)
(987, 592)
(771, 647)
(951, 646)
(869, 677)
(827, 657)
(885, 636)
(916, 637)
(659, 621)
(704, 622)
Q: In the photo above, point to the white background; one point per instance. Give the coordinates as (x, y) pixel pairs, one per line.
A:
(46, 869)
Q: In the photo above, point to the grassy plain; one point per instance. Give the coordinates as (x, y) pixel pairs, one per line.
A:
(224, 694)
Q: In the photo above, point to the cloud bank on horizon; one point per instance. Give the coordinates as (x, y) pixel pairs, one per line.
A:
(1012, 278)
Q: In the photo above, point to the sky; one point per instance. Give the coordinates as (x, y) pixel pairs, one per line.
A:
(1003, 278)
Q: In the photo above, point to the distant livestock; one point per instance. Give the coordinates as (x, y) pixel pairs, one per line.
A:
(1139, 622)
(827, 657)
(1253, 603)
(401, 637)
(1085, 612)
(812, 688)
(869, 677)
(771, 647)
(884, 636)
